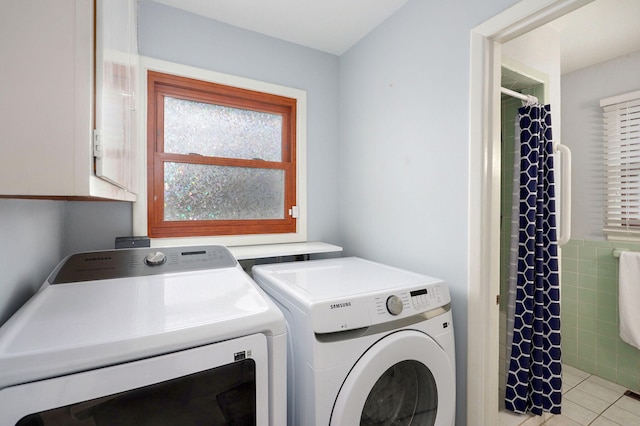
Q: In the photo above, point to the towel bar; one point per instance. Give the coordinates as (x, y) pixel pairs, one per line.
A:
(617, 251)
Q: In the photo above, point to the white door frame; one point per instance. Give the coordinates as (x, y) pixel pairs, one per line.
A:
(484, 195)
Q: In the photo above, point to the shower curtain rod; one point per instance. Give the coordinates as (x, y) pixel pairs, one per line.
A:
(526, 98)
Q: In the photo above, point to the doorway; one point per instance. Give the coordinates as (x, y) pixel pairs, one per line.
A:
(485, 194)
(590, 291)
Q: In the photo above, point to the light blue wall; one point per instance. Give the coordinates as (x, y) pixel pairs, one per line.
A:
(404, 147)
(582, 133)
(173, 35)
(94, 225)
(31, 236)
(35, 235)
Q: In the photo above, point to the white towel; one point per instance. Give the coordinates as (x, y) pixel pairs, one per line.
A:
(629, 297)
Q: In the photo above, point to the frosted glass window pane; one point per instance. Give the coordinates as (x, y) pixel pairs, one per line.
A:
(218, 131)
(204, 192)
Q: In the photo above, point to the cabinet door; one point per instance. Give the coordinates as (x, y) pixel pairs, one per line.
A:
(116, 67)
(40, 86)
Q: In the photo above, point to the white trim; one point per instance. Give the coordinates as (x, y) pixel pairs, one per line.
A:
(525, 16)
(482, 324)
(625, 97)
(279, 250)
(140, 206)
(484, 195)
(619, 236)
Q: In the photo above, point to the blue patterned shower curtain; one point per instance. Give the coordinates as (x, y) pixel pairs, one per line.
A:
(534, 379)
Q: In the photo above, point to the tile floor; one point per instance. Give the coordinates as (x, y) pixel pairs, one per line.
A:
(587, 400)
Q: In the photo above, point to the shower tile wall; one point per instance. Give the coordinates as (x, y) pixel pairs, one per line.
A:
(590, 322)
(509, 110)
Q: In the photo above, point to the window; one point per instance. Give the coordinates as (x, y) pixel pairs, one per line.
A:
(622, 165)
(221, 160)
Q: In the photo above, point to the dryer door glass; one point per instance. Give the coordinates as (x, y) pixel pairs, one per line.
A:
(406, 394)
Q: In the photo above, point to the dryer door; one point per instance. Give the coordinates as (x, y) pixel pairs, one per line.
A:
(404, 379)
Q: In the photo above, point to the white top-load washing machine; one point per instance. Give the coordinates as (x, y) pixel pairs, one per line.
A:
(368, 344)
(145, 337)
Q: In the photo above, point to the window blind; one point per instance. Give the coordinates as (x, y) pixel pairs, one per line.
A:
(622, 165)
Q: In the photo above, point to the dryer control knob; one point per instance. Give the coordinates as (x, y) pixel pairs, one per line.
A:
(394, 305)
(155, 258)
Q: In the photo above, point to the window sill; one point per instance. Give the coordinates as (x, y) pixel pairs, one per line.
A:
(277, 250)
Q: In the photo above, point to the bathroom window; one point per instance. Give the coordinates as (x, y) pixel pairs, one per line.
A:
(622, 165)
(221, 160)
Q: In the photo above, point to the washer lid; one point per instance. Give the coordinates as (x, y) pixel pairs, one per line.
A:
(75, 326)
(327, 279)
(348, 293)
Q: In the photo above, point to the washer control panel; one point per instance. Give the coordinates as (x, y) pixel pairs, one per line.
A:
(426, 298)
(410, 302)
(364, 310)
(394, 305)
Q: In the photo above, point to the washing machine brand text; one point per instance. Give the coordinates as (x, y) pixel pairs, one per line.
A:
(340, 305)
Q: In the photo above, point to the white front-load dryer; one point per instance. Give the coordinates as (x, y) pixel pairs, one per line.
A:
(368, 344)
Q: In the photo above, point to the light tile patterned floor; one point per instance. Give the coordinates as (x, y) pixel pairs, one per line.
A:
(587, 400)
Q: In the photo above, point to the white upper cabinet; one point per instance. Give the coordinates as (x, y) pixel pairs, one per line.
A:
(57, 84)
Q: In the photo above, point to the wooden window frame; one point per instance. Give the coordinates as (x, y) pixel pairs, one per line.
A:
(160, 85)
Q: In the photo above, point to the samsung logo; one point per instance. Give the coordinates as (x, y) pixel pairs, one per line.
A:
(340, 305)
(92, 259)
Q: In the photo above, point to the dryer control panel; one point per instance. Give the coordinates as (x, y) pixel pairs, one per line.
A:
(139, 262)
